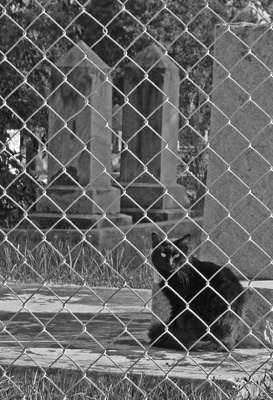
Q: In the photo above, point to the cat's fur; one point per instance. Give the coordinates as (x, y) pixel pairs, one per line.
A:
(208, 305)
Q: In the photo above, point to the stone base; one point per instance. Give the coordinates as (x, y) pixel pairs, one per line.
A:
(73, 200)
(154, 214)
(243, 374)
(149, 195)
(94, 221)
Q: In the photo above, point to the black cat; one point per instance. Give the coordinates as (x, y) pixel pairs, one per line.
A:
(202, 294)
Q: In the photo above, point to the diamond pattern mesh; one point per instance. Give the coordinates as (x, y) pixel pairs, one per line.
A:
(120, 118)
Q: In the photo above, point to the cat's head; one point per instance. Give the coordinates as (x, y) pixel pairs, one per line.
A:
(167, 256)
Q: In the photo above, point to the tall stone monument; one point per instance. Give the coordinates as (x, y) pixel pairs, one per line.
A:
(79, 142)
(150, 136)
(238, 205)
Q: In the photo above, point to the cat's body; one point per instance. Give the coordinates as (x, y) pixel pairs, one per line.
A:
(195, 304)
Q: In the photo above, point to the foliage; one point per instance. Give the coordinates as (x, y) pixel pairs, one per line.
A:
(16, 187)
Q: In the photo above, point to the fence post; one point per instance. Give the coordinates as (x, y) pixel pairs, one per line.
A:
(238, 207)
(150, 134)
(79, 141)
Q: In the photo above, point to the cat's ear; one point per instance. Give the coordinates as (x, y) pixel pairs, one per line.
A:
(156, 239)
(184, 241)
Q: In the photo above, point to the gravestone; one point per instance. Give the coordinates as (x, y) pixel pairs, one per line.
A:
(238, 205)
(150, 133)
(79, 142)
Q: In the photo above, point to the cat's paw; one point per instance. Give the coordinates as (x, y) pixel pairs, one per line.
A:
(208, 346)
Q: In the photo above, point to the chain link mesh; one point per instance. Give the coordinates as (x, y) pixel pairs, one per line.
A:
(79, 298)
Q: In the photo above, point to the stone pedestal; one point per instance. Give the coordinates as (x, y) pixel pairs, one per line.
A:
(79, 138)
(73, 199)
(238, 206)
(150, 133)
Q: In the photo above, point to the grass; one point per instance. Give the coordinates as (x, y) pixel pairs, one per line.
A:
(63, 263)
(32, 384)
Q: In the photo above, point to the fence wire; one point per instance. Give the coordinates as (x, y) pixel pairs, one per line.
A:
(77, 208)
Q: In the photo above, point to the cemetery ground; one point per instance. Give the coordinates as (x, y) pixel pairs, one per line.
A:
(83, 341)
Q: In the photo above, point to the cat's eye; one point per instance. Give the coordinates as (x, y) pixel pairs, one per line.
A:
(163, 255)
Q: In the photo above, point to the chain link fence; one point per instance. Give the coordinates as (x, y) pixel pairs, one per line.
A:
(120, 118)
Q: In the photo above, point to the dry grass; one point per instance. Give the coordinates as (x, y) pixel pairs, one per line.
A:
(64, 385)
(63, 263)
